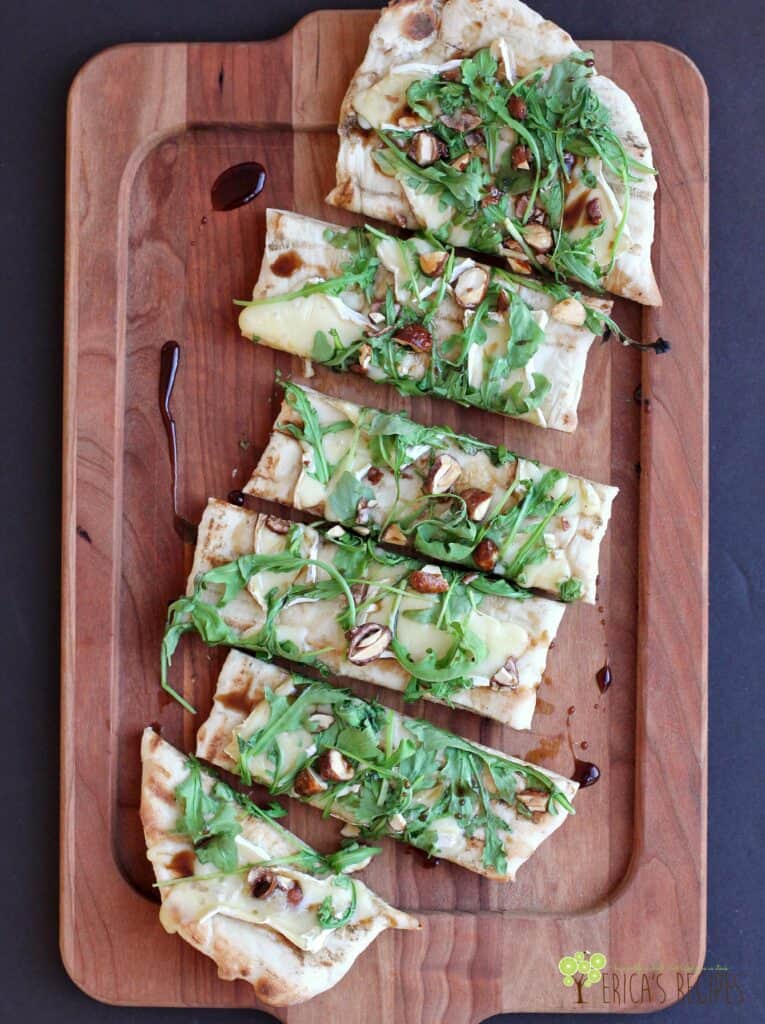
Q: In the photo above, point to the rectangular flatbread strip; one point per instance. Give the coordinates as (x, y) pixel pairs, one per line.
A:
(384, 773)
(448, 496)
(259, 924)
(414, 314)
(285, 590)
(481, 121)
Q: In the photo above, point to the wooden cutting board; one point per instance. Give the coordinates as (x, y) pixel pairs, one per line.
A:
(147, 259)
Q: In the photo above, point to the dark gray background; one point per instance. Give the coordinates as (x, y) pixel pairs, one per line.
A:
(43, 45)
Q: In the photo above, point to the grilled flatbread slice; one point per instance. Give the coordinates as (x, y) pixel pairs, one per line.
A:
(386, 774)
(335, 601)
(414, 314)
(448, 496)
(267, 925)
(481, 121)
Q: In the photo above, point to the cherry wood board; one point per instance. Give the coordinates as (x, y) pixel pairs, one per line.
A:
(147, 259)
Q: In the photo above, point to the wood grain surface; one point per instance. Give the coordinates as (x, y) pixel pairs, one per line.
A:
(147, 259)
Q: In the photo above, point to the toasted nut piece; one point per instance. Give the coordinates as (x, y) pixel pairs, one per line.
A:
(444, 473)
(428, 580)
(461, 121)
(533, 799)
(414, 336)
(569, 311)
(408, 123)
(294, 894)
(334, 767)
(320, 721)
(461, 162)
(473, 139)
(477, 503)
(374, 475)
(397, 822)
(539, 238)
(492, 197)
(594, 212)
(503, 302)
(471, 287)
(277, 525)
(517, 107)
(516, 257)
(452, 75)
(469, 577)
(507, 675)
(520, 157)
(377, 317)
(521, 205)
(360, 591)
(336, 532)
(367, 642)
(394, 535)
(486, 555)
(426, 148)
(365, 356)
(433, 263)
(261, 882)
(308, 783)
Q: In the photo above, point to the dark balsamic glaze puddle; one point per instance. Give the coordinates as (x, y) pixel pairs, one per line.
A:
(585, 772)
(604, 677)
(238, 185)
(170, 358)
(236, 498)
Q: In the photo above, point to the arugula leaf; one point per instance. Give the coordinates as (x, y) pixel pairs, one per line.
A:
(345, 497)
(328, 917)
(210, 821)
(570, 590)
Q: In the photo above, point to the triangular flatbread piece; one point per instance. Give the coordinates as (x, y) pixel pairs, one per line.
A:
(259, 924)
(481, 121)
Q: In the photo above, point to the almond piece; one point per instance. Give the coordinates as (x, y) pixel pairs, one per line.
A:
(538, 237)
(428, 580)
(460, 163)
(569, 311)
(471, 287)
(308, 783)
(444, 473)
(426, 148)
(520, 156)
(334, 768)
(594, 212)
(367, 642)
(486, 555)
(433, 263)
(397, 822)
(461, 121)
(365, 356)
(414, 336)
(507, 675)
(477, 503)
(261, 882)
(320, 721)
(394, 535)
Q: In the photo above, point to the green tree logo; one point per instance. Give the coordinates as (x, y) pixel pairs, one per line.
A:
(582, 970)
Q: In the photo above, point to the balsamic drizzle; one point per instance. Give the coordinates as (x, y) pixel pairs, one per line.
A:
(238, 185)
(170, 357)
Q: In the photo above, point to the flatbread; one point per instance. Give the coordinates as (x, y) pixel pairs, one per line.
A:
(299, 251)
(280, 972)
(510, 637)
(415, 39)
(240, 707)
(563, 560)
